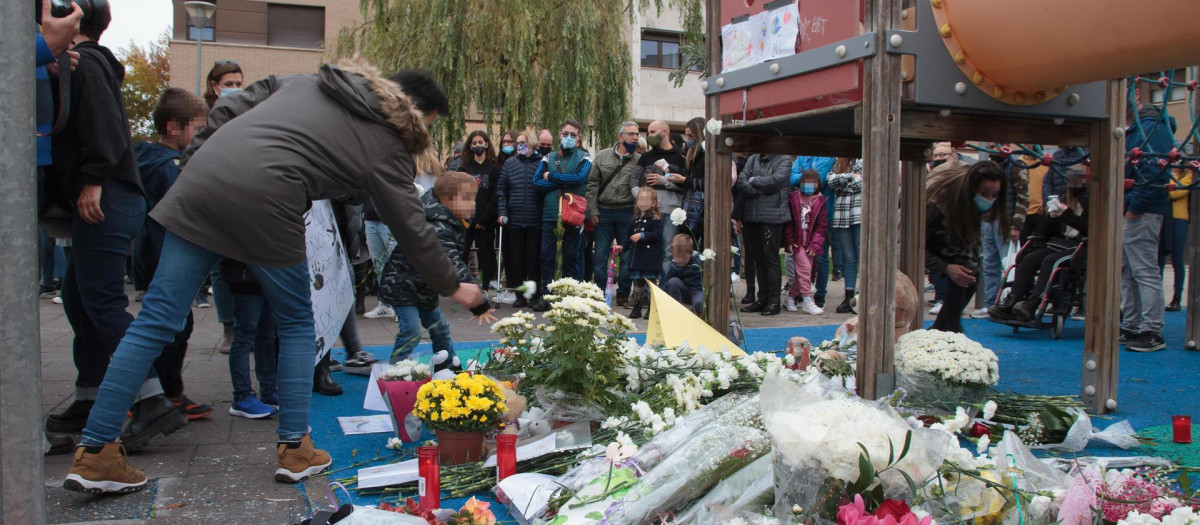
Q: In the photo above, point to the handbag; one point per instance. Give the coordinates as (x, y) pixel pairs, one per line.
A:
(573, 209)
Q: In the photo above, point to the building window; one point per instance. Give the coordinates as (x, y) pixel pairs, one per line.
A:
(205, 34)
(295, 26)
(661, 49)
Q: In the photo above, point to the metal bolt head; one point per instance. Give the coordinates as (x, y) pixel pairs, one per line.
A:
(896, 40)
(774, 69)
(960, 58)
(945, 112)
(704, 85)
(903, 75)
(840, 51)
(960, 88)
(1090, 364)
(977, 78)
(720, 81)
(1191, 345)
(1118, 132)
(944, 30)
(1111, 404)
(1089, 390)
(904, 15)
(1059, 121)
(729, 141)
(937, 4)
(1073, 99)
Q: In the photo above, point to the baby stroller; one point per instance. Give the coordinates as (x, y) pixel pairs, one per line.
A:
(1064, 291)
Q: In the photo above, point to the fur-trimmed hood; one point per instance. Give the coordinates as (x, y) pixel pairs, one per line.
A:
(363, 89)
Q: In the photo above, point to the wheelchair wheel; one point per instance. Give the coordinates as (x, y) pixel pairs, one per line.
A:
(1056, 325)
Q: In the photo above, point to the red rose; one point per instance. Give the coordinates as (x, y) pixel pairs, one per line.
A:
(979, 429)
(897, 509)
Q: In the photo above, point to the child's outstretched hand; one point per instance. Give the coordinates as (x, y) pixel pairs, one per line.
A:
(485, 318)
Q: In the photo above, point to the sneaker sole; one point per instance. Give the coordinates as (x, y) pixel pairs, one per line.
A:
(165, 425)
(283, 475)
(1152, 348)
(198, 415)
(77, 483)
(248, 415)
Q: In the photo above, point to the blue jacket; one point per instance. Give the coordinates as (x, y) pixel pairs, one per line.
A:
(691, 274)
(568, 174)
(516, 197)
(1154, 133)
(158, 166)
(45, 102)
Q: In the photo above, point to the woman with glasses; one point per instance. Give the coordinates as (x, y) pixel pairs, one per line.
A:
(960, 199)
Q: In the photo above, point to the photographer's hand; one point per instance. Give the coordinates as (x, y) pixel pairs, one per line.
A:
(59, 32)
(88, 204)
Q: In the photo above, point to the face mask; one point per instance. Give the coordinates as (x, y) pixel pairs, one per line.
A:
(981, 203)
(508, 150)
(654, 141)
(808, 188)
(545, 150)
(937, 163)
(522, 149)
(630, 146)
(690, 143)
(478, 150)
(226, 91)
(568, 142)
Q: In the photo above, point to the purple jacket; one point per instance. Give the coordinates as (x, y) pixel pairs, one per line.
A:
(811, 234)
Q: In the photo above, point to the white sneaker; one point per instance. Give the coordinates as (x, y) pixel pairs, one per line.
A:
(382, 310)
(790, 304)
(57, 300)
(734, 277)
(981, 313)
(506, 297)
(937, 307)
(810, 307)
(495, 285)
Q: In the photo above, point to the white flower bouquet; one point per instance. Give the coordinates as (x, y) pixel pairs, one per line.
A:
(942, 370)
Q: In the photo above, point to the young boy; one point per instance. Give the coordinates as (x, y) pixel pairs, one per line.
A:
(177, 117)
(447, 206)
(684, 275)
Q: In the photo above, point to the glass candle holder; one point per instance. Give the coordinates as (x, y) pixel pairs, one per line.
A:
(506, 456)
(1181, 427)
(429, 487)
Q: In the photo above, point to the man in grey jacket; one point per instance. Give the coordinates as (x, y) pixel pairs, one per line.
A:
(242, 194)
(764, 185)
(610, 202)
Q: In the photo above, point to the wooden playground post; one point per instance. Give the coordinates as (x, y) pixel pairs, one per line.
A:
(912, 233)
(1105, 236)
(1192, 258)
(880, 216)
(718, 197)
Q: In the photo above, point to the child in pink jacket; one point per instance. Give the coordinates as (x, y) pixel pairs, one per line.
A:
(804, 237)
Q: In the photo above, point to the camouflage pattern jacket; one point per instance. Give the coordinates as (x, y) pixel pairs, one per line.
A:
(402, 285)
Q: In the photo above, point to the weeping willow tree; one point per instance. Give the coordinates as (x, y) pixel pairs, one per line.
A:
(517, 63)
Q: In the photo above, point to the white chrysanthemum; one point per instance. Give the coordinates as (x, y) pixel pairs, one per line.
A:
(708, 255)
(678, 216)
(989, 410)
(394, 443)
(950, 356)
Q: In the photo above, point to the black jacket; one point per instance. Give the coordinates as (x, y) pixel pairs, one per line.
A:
(645, 255)
(487, 176)
(516, 197)
(95, 146)
(402, 285)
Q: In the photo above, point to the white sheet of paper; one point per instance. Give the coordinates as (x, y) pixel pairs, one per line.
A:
(374, 399)
(390, 474)
(530, 450)
(373, 424)
(529, 493)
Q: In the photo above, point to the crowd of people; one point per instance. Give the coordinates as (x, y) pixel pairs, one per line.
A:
(216, 204)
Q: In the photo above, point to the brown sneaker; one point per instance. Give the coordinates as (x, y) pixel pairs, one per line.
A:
(298, 461)
(103, 472)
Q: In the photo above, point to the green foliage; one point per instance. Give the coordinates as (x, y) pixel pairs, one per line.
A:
(147, 74)
(515, 64)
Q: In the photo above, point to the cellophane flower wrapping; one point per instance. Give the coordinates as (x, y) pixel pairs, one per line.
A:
(751, 487)
(564, 406)
(943, 370)
(689, 472)
(817, 434)
(1120, 434)
(732, 409)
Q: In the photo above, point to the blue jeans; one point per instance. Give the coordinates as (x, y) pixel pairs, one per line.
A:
(410, 319)
(995, 247)
(181, 271)
(221, 296)
(690, 297)
(253, 330)
(614, 223)
(54, 261)
(572, 255)
(93, 289)
(846, 243)
(380, 244)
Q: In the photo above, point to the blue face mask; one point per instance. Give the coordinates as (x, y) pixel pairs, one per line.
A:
(568, 142)
(508, 150)
(227, 91)
(981, 203)
(808, 188)
(523, 148)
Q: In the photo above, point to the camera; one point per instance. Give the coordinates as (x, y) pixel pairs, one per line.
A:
(60, 8)
(95, 12)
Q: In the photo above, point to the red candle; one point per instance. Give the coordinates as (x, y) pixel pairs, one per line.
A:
(1182, 426)
(506, 456)
(429, 487)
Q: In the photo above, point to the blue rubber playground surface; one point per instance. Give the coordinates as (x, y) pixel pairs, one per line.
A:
(1152, 387)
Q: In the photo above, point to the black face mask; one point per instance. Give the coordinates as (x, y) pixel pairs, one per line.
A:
(937, 163)
(545, 150)
(479, 150)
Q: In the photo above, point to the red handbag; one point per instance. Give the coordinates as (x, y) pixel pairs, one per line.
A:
(573, 209)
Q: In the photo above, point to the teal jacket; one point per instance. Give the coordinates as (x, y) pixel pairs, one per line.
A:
(568, 173)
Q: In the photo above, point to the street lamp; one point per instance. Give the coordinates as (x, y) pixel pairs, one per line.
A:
(200, 16)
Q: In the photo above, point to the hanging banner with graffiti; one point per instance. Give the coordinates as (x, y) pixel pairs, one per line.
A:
(328, 274)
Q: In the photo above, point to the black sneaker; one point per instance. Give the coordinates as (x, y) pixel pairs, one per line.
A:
(541, 306)
(1024, 311)
(335, 365)
(191, 409)
(71, 420)
(151, 416)
(1147, 342)
(1127, 336)
(48, 292)
(1001, 313)
(521, 302)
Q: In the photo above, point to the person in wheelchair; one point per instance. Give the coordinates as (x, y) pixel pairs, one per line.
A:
(1065, 228)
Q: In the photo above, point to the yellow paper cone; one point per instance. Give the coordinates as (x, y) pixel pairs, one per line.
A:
(672, 323)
